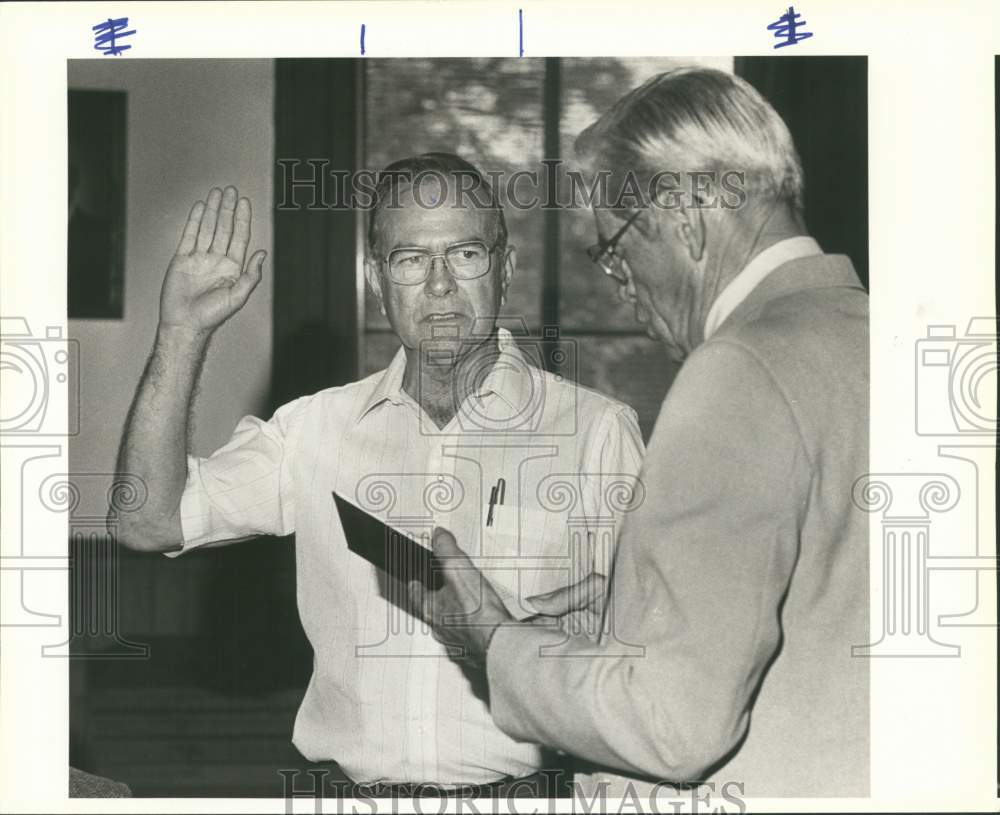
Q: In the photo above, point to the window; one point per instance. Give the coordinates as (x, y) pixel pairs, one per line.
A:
(488, 111)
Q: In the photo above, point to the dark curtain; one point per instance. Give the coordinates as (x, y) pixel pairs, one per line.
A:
(258, 644)
(317, 108)
(824, 101)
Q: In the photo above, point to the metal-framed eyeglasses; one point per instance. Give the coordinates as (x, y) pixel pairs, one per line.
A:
(603, 252)
(411, 265)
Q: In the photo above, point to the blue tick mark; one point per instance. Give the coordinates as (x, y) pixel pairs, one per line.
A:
(362, 39)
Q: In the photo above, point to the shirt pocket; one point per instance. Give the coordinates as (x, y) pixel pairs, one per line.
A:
(530, 551)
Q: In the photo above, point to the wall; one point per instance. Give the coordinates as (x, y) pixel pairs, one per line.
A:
(192, 124)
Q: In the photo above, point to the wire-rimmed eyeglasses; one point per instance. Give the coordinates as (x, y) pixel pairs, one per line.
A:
(411, 265)
(603, 252)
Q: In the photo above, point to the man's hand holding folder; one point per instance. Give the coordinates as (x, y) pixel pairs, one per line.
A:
(466, 610)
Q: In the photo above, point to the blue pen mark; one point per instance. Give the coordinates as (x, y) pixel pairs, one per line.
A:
(786, 27)
(107, 34)
(520, 32)
(362, 39)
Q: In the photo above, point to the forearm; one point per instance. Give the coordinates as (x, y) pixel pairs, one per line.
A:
(206, 283)
(155, 442)
(635, 712)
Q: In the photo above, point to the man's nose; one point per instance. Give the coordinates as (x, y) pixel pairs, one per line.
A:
(439, 277)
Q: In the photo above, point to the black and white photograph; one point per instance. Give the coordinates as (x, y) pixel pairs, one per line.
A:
(425, 407)
(567, 321)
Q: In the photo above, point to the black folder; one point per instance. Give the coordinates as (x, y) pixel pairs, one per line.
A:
(394, 552)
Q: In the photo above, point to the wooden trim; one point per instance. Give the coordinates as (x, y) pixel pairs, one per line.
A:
(551, 113)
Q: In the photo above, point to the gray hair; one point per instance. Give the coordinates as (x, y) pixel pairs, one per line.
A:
(441, 166)
(698, 119)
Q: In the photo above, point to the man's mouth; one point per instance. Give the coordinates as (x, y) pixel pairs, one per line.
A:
(443, 316)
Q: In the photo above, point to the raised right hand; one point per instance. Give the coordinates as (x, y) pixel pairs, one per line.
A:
(207, 282)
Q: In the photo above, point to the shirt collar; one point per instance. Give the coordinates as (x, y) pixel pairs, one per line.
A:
(509, 378)
(754, 272)
(390, 385)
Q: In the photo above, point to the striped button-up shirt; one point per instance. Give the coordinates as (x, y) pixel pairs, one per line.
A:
(384, 700)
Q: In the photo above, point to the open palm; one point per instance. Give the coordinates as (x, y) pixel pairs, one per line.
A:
(207, 281)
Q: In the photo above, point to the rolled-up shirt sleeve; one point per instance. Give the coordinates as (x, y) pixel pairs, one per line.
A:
(244, 488)
(700, 574)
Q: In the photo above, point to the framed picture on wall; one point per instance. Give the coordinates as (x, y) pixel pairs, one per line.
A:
(96, 228)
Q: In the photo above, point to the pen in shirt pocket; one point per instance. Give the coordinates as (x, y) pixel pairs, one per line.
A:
(497, 495)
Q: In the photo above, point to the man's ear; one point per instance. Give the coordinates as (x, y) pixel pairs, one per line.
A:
(507, 271)
(374, 281)
(690, 228)
(683, 211)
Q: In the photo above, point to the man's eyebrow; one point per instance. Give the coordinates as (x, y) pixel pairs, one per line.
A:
(458, 241)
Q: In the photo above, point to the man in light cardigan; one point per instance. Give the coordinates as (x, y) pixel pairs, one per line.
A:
(743, 577)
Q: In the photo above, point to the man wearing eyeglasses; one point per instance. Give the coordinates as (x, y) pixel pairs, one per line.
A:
(741, 583)
(460, 430)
